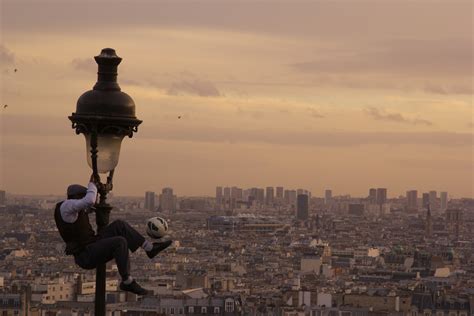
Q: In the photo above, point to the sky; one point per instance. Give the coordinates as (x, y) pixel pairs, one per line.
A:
(326, 94)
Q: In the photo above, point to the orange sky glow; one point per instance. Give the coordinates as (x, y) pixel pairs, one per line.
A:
(345, 95)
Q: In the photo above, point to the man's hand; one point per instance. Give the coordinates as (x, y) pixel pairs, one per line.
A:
(95, 179)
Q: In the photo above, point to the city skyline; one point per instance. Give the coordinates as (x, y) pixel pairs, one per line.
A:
(313, 94)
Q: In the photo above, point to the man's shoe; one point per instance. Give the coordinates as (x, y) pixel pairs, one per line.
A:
(158, 247)
(133, 287)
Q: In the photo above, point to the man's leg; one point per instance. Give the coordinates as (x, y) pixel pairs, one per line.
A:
(123, 229)
(104, 250)
(134, 238)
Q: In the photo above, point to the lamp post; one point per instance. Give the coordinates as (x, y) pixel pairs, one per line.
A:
(104, 115)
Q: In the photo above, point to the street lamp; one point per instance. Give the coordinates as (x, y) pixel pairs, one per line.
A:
(104, 115)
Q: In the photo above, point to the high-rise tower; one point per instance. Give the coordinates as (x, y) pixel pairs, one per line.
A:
(302, 207)
(429, 223)
(150, 200)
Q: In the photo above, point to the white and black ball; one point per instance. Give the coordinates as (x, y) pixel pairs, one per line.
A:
(156, 227)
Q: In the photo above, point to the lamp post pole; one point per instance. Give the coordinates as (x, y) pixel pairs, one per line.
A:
(105, 115)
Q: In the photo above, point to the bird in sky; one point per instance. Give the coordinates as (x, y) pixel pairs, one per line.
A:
(5, 106)
(179, 116)
(15, 70)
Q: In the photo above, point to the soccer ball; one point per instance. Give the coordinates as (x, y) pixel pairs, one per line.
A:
(156, 227)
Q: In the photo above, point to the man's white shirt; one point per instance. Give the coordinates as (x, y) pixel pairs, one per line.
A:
(70, 208)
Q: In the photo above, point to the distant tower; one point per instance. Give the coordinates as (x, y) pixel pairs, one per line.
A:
(425, 200)
(302, 207)
(412, 200)
(150, 200)
(381, 196)
(454, 221)
(226, 200)
(3, 199)
(372, 195)
(327, 197)
(444, 201)
(429, 223)
(279, 193)
(218, 197)
(433, 200)
(269, 197)
(168, 200)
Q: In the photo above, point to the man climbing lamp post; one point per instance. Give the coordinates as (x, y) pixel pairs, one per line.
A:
(105, 115)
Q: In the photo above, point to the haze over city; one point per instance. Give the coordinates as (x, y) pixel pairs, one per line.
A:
(341, 95)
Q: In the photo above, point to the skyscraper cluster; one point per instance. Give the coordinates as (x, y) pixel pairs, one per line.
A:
(229, 198)
(166, 201)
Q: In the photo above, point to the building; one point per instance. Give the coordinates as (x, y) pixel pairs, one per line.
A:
(219, 197)
(226, 200)
(3, 198)
(310, 263)
(269, 197)
(412, 200)
(244, 223)
(372, 195)
(433, 199)
(429, 223)
(425, 200)
(167, 200)
(14, 304)
(150, 200)
(302, 207)
(444, 201)
(356, 209)
(260, 196)
(279, 193)
(454, 221)
(381, 196)
(327, 197)
(290, 197)
(236, 194)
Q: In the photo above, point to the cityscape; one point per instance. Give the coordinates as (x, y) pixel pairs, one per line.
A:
(236, 158)
(257, 251)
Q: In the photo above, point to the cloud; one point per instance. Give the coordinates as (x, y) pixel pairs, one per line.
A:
(315, 113)
(394, 117)
(85, 64)
(301, 138)
(16, 125)
(413, 58)
(194, 86)
(449, 89)
(6, 56)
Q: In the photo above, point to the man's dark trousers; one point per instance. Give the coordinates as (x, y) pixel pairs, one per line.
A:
(113, 242)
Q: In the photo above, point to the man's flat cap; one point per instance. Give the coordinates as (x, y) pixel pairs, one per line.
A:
(76, 189)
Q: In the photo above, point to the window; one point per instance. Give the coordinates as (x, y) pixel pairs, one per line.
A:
(216, 310)
(203, 310)
(181, 312)
(172, 310)
(229, 306)
(191, 309)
